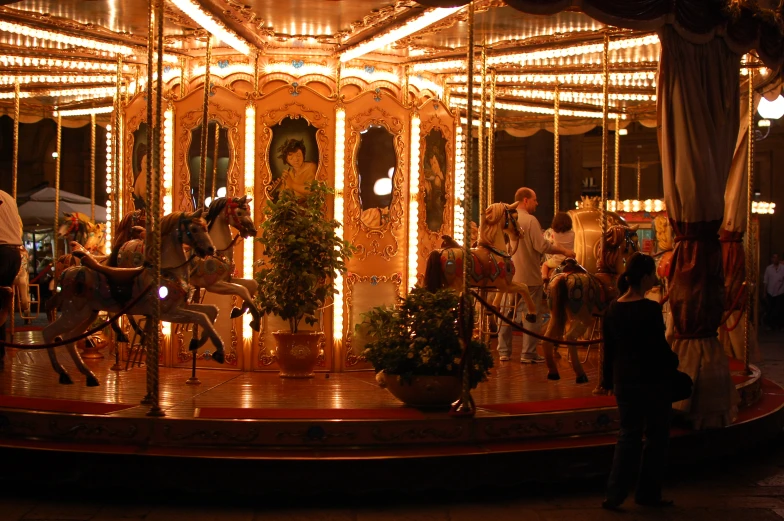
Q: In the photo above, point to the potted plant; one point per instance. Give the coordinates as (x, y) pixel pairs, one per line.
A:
(303, 256)
(416, 348)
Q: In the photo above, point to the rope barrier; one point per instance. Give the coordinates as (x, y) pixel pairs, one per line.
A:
(515, 325)
(84, 335)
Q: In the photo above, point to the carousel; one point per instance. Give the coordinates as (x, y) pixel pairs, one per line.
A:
(217, 114)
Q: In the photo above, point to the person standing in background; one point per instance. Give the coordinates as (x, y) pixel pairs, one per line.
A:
(10, 259)
(773, 281)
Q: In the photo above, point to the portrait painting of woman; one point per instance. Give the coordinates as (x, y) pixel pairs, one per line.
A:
(293, 157)
(434, 177)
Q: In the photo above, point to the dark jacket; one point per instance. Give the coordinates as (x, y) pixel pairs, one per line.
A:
(636, 352)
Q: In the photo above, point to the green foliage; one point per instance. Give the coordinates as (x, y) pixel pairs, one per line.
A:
(304, 254)
(420, 338)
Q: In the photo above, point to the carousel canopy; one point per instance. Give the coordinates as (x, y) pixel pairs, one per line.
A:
(39, 210)
(64, 53)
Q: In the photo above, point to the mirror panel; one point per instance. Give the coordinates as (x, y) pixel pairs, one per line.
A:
(376, 164)
(218, 162)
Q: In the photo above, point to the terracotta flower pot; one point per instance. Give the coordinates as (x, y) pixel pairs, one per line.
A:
(423, 391)
(297, 353)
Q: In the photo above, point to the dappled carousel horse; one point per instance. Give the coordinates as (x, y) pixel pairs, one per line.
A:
(489, 265)
(216, 273)
(576, 296)
(94, 287)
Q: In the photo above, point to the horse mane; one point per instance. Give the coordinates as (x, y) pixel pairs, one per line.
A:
(492, 222)
(616, 240)
(216, 206)
(123, 235)
(167, 224)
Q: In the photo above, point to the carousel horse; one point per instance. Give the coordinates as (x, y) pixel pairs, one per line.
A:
(93, 287)
(489, 264)
(576, 296)
(21, 282)
(215, 274)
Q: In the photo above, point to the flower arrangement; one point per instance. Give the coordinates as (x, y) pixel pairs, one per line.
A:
(420, 337)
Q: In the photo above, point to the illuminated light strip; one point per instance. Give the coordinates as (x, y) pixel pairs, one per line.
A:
(413, 204)
(168, 176)
(250, 176)
(503, 105)
(299, 69)
(418, 23)
(594, 98)
(370, 77)
(84, 112)
(634, 205)
(45, 78)
(761, 207)
(10, 95)
(9, 60)
(459, 231)
(548, 54)
(214, 26)
(340, 181)
(95, 92)
(76, 41)
(426, 84)
(234, 68)
(171, 74)
(630, 79)
(109, 190)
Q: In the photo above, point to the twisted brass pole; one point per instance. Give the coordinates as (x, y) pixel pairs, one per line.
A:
(482, 166)
(491, 142)
(15, 165)
(750, 253)
(182, 77)
(57, 186)
(617, 182)
(639, 178)
(92, 167)
(556, 148)
(215, 160)
(204, 126)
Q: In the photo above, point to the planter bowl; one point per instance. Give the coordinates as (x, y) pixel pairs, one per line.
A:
(423, 391)
(297, 353)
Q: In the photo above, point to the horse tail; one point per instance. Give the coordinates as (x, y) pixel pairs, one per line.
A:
(434, 274)
(558, 295)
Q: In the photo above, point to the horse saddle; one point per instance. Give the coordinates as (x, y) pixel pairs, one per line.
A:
(571, 266)
(116, 276)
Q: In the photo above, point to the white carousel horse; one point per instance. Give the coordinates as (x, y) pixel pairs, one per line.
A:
(576, 296)
(94, 287)
(489, 265)
(215, 274)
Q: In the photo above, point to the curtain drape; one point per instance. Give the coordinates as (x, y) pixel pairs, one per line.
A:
(698, 111)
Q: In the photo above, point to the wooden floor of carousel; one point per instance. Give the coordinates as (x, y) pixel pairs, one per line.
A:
(342, 423)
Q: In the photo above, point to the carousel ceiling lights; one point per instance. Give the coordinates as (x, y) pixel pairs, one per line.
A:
(339, 215)
(416, 24)
(84, 112)
(425, 84)
(617, 79)
(561, 56)
(635, 206)
(370, 74)
(76, 41)
(47, 79)
(761, 207)
(96, 92)
(215, 27)
(771, 109)
(593, 98)
(519, 107)
(249, 187)
(11, 95)
(8, 60)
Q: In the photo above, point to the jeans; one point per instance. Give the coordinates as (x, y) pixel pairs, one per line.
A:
(647, 409)
(529, 342)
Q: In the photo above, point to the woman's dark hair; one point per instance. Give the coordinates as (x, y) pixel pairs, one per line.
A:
(638, 266)
(289, 147)
(561, 222)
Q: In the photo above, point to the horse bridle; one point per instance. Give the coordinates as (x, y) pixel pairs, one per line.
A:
(231, 214)
(516, 225)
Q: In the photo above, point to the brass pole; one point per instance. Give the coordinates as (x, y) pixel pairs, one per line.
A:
(405, 87)
(338, 71)
(639, 177)
(256, 73)
(616, 184)
(556, 148)
(137, 79)
(750, 265)
(182, 77)
(57, 186)
(491, 143)
(155, 211)
(116, 158)
(481, 164)
(215, 160)
(15, 165)
(600, 389)
(204, 126)
(92, 168)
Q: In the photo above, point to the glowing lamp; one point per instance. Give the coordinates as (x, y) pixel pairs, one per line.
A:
(383, 186)
(771, 109)
(163, 292)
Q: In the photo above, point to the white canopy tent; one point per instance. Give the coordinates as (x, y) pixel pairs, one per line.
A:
(38, 212)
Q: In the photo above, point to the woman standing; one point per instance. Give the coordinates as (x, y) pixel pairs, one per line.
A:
(639, 364)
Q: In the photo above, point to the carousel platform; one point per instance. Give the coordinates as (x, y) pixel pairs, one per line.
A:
(337, 424)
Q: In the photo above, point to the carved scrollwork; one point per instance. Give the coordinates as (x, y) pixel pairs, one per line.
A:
(415, 434)
(211, 435)
(381, 241)
(523, 429)
(351, 358)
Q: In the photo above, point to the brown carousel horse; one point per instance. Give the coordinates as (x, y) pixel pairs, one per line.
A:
(576, 296)
(489, 265)
(94, 287)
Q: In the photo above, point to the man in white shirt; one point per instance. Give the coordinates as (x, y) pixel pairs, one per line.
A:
(774, 292)
(10, 256)
(527, 262)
